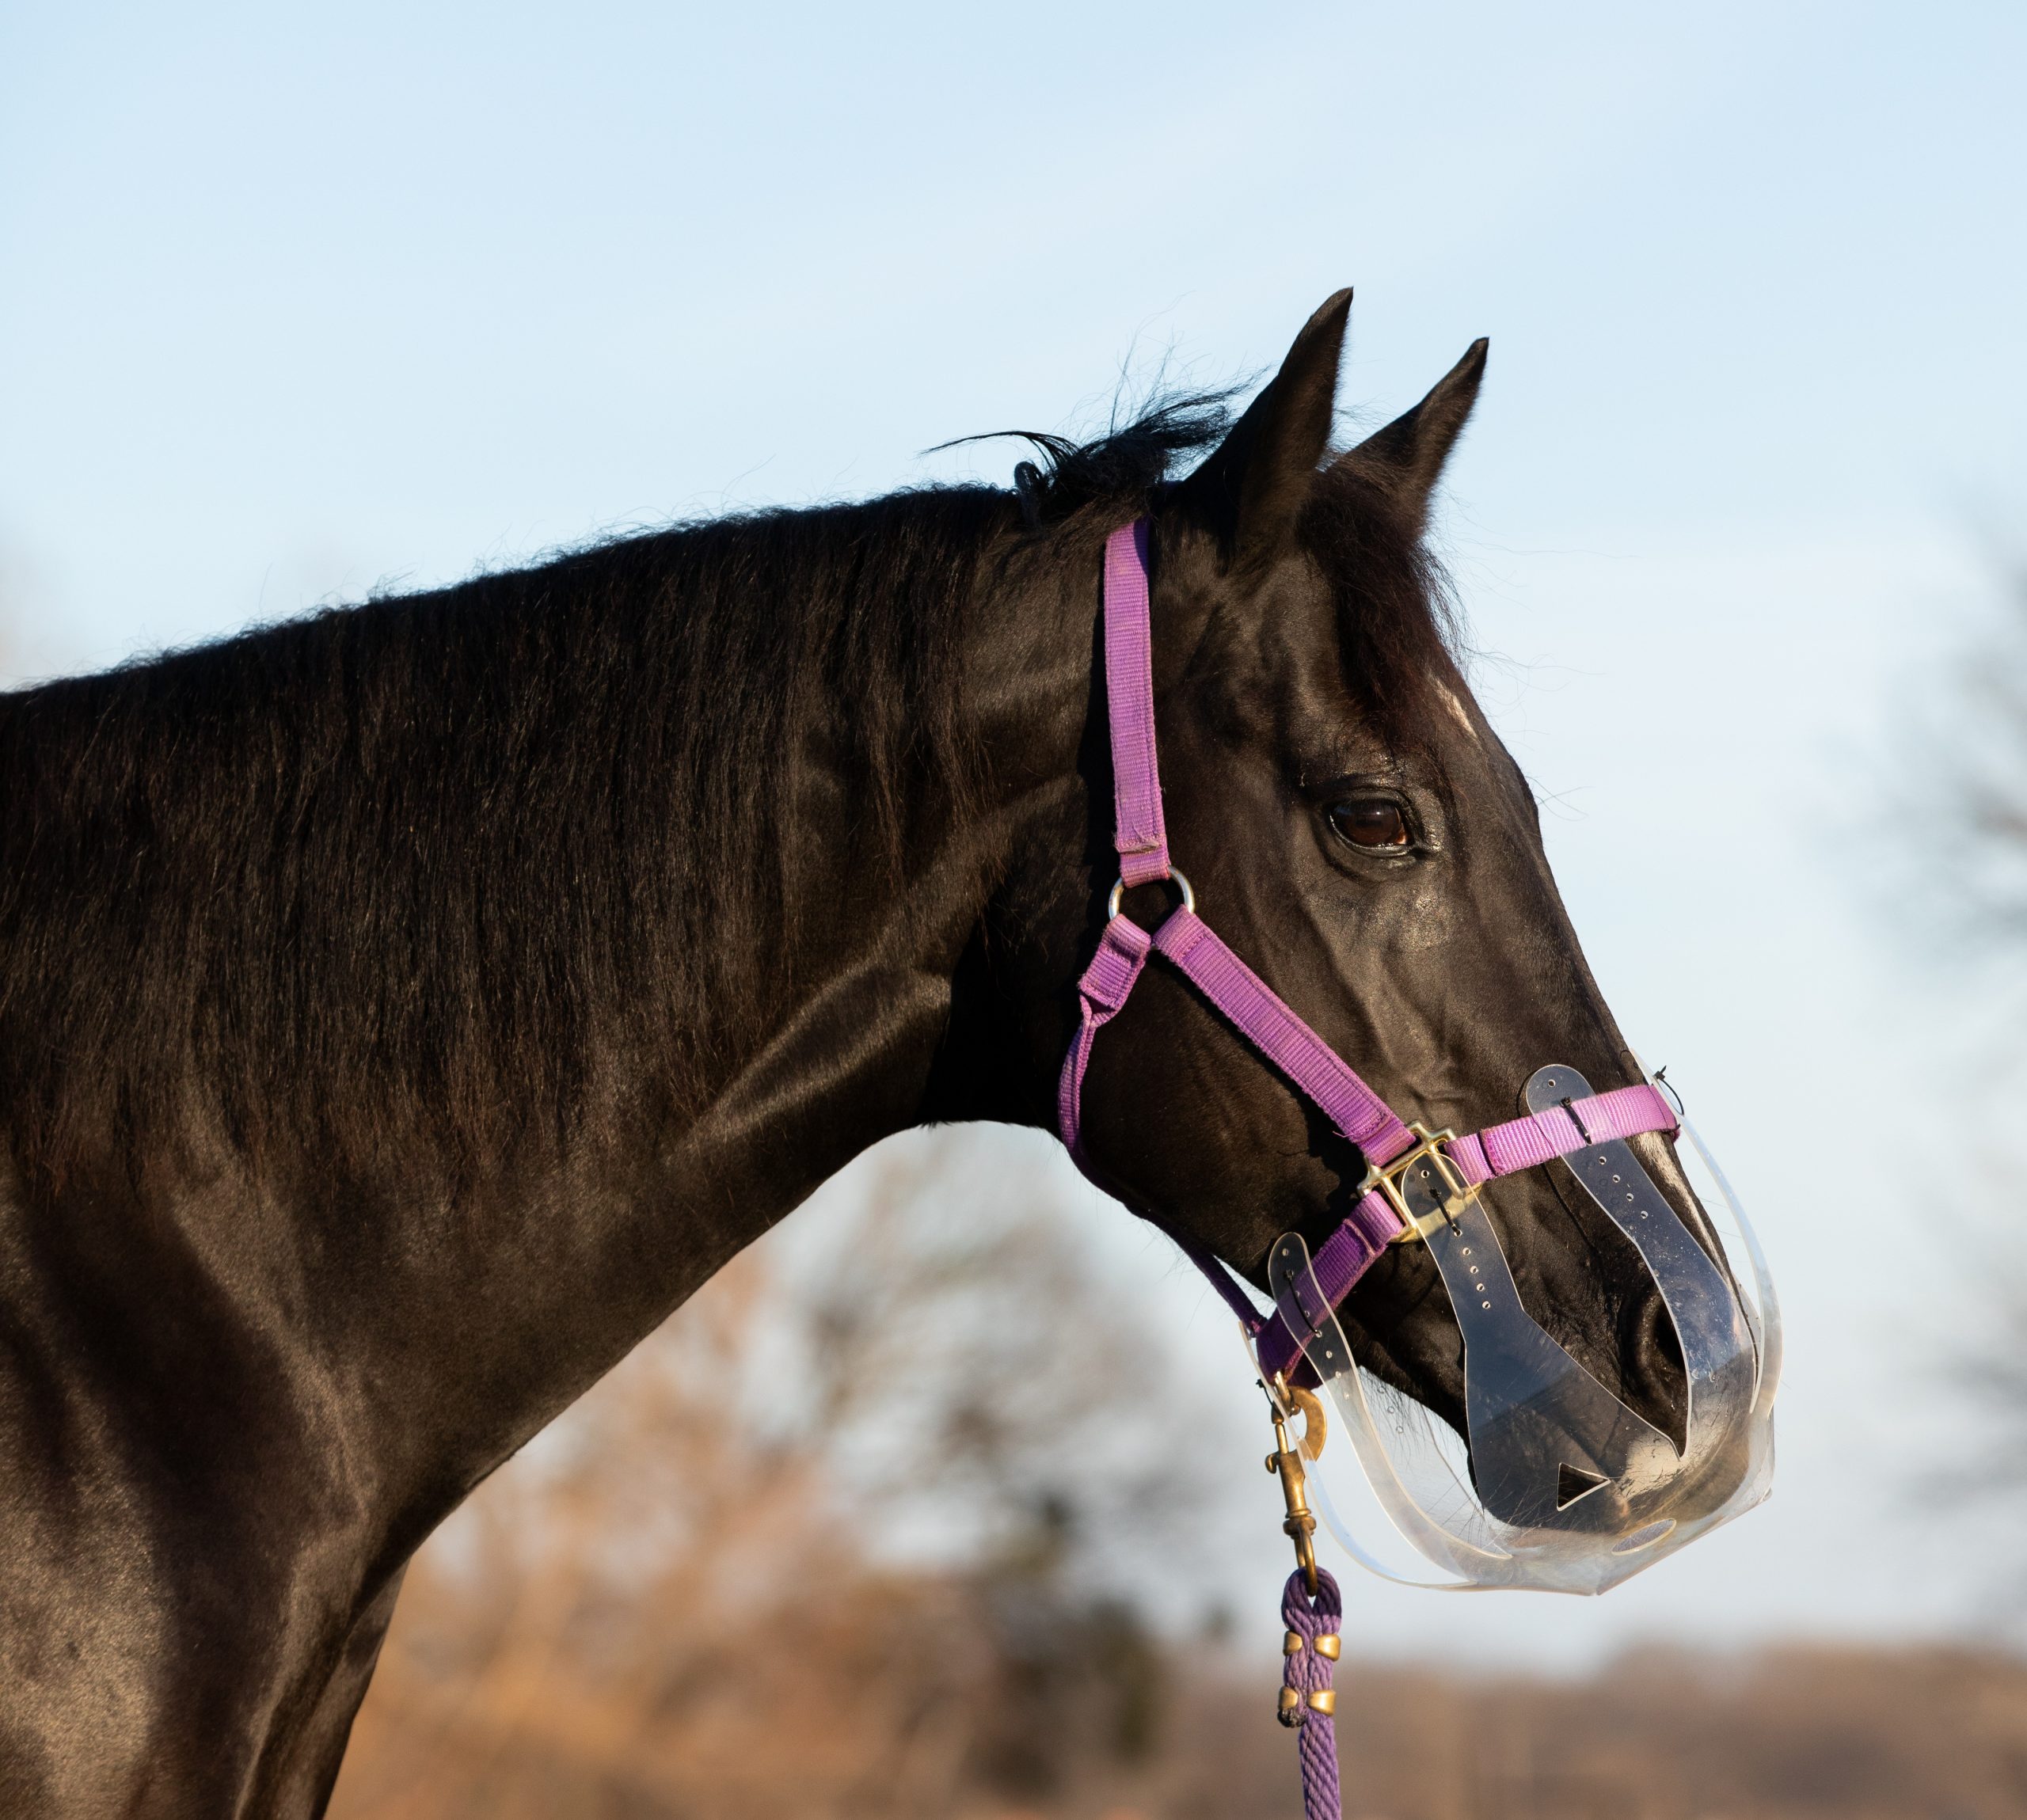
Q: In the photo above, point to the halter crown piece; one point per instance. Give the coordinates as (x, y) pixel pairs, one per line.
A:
(1390, 1146)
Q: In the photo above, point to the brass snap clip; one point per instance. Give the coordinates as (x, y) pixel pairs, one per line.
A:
(1299, 1524)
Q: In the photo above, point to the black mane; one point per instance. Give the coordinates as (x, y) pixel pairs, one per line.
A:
(424, 853)
(448, 856)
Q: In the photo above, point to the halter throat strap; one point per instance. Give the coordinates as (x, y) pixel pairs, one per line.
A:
(1185, 942)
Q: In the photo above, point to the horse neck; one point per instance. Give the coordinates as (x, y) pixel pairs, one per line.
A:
(538, 1274)
(367, 1313)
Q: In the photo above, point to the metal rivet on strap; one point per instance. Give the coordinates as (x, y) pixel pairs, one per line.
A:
(1330, 1646)
(1323, 1700)
(1291, 1642)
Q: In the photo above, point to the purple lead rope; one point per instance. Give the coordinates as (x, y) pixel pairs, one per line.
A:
(1309, 1703)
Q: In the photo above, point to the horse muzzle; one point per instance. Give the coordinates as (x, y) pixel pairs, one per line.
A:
(1558, 1483)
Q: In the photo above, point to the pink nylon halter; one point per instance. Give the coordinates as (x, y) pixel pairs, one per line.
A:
(1309, 1065)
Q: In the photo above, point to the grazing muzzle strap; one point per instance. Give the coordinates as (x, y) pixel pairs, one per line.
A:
(1303, 1059)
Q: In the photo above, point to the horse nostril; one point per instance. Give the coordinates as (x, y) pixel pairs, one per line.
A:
(1658, 1383)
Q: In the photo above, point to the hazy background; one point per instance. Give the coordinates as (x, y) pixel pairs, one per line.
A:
(296, 303)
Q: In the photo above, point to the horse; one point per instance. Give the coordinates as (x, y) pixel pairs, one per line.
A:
(404, 1007)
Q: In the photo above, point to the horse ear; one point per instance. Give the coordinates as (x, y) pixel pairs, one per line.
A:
(1255, 483)
(1406, 458)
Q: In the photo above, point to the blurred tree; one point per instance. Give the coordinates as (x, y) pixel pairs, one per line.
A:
(1981, 735)
(844, 1525)
(1970, 804)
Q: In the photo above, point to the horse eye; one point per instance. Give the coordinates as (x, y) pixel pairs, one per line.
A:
(1370, 822)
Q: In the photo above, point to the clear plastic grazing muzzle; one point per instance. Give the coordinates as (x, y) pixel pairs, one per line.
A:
(1564, 1487)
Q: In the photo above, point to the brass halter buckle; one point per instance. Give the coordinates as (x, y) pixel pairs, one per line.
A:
(1453, 1193)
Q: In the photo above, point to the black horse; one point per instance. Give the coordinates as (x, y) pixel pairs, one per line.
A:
(403, 1008)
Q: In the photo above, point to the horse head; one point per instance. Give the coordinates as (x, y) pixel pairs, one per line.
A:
(1356, 834)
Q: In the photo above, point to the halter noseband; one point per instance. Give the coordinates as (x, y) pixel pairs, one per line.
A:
(1381, 1215)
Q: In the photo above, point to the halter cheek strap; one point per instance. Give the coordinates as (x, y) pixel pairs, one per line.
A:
(1309, 1064)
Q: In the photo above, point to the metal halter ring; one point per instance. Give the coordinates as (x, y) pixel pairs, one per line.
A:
(1175, 873)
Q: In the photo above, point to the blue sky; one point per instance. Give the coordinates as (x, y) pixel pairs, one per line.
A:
(299, 301)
